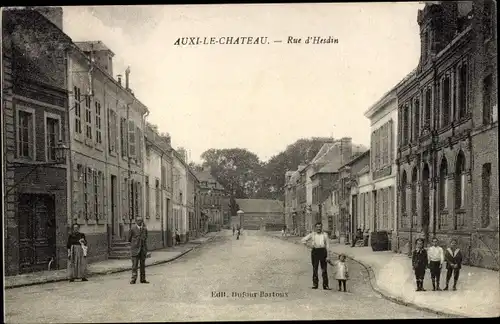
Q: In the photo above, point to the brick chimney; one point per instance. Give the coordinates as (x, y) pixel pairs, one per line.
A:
(54, 14)
(345, 149)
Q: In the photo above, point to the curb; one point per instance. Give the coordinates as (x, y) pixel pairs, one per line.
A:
(103, 273)
(386, 295)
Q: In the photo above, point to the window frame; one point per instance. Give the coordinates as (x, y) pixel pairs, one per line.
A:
(78, 110)
(88, 117)
(46, 117)
(98, 122)
(32, 136)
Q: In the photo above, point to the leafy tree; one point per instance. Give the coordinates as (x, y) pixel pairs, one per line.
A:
(237, 170)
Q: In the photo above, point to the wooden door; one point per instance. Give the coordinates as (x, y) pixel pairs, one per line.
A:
(37, 232)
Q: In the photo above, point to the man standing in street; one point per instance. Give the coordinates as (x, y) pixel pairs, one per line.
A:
(319, 254)
(138, 238)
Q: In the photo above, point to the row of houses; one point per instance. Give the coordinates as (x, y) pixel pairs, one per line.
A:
(78, 150)
(432, 166)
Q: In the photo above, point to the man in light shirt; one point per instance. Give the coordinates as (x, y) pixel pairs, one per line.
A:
(319, 254)
(436, 259)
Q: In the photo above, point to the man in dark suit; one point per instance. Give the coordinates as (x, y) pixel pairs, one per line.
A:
(138, 238)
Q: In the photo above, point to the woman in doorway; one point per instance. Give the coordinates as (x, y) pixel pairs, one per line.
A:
(77, 255)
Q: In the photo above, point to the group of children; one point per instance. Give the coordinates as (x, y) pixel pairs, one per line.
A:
(434, 258)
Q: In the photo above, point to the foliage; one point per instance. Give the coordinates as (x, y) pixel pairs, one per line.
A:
(243, 175)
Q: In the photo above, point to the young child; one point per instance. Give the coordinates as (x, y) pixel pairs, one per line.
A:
(453, 257)
(419, 261)
(341, 272)
(436, 259)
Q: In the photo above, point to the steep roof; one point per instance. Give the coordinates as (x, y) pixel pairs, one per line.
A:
(260, 205)
(206, 176)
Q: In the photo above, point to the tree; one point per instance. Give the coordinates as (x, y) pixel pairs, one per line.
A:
(237, 170)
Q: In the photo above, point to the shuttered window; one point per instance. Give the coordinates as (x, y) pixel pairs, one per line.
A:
(132, 140)
(124, 137)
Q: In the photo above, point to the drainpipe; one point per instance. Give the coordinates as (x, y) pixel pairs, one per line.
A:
(434, 155)
(69, 173)
(162, 206)
(129, 172)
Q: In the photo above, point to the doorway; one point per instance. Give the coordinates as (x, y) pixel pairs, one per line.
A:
(37, 231)
(114, 215)
(354, 216)
(425, 202)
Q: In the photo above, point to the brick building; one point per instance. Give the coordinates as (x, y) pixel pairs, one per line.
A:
(262, 214)
(440, 170)
(212, 198)
(34, 113)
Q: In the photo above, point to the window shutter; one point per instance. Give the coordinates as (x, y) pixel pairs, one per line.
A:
(132, 140)
(391, 145)
(139, 143)
(104, 190)
(77, 192)
(124, 194)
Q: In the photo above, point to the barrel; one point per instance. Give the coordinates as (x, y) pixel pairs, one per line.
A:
(380, 241)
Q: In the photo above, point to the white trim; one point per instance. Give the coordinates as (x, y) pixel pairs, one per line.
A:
(31, 111)
(52, 116)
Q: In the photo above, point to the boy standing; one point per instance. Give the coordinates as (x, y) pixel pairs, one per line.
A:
(419, 262)
(453, 257)
(436, 260)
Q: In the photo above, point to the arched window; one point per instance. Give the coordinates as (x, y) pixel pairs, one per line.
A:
(403, 199)
(443, 185)
(460, 181)
(414, 195)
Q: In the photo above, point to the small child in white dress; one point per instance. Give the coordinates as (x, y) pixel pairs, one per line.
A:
(341, 272)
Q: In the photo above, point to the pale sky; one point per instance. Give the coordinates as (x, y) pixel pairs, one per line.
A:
(258, 97)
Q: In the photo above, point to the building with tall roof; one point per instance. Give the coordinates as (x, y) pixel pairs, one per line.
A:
(212, 198)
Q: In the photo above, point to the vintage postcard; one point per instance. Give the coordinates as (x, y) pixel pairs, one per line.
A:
(250, 162)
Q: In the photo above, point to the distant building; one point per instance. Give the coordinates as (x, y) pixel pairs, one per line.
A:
(304, 187)
(262, 213)
(212, 196)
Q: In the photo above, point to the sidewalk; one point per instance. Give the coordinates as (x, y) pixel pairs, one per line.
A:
(106, 267)
(391, 275)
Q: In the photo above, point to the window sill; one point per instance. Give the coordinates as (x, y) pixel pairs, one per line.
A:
(78, 138)
(91, 222)
(99, 147)
(89, 142)
(112, 153)
(101, 221)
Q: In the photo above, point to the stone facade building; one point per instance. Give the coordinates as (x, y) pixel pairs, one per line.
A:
(444, 109)
(348, 201)
(379, 203)
(107, 149)
(179, 195)
(158, 188)
(35, 117)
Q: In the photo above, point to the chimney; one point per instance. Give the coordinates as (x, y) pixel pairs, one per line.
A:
(127, 74)
(119, 76)
(345, 149)
(182, 153)
(54, 14)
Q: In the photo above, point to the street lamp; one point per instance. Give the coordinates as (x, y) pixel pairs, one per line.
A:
(240, 214)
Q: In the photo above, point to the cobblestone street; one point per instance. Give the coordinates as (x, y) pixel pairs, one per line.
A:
(182, 290)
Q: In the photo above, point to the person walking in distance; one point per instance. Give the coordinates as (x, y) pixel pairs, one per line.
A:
(319, 254)
(419, 262)
(234, 230)
(138, 238)
(453, 257)
(238, 233)
(177, 237)
(436, 260)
